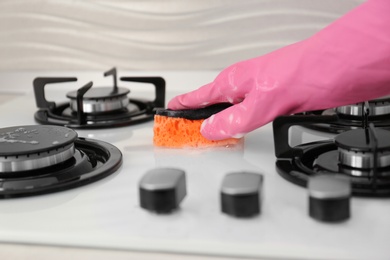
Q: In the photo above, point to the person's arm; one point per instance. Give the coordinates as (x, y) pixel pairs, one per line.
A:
(347, 62)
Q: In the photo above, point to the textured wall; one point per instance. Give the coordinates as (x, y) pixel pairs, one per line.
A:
(154, 34)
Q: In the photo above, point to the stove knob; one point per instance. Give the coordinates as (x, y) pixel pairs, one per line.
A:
(329, 197)
(162, 189)
(241, 194)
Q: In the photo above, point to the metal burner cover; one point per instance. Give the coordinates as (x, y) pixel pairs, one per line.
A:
(356, 140)
(378, 107)
(101, 99)
(356, 149)
(32, 147)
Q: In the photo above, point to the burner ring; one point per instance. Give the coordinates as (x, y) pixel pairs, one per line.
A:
(363, 160)
(356, 149)
(100, 100)
(101, 105)
(377, 108)
(34, 161)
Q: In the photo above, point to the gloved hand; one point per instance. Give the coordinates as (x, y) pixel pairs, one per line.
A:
(345, 63)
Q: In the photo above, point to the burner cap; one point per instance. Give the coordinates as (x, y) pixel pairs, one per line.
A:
(100, 93)
(357, 140)
(36, 146)
(356, 148)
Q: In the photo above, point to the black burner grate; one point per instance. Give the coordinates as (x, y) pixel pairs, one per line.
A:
(297, 164)
(127, 111)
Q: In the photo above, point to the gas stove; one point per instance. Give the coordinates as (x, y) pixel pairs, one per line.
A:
(49, 158)
(107, 213)
(98, 107)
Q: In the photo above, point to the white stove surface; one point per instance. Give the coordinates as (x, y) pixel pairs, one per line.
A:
(106, 214)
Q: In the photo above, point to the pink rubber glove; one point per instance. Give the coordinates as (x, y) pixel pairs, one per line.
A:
(345, 63)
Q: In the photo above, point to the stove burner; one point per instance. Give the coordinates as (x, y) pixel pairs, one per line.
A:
(31, 147)
(377, 108)
(100, 107)
(100, 100)
(355, 148)
(44, 159)
(362, 154)
(351, 116)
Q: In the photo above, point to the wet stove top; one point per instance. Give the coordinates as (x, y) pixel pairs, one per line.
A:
(106, 214)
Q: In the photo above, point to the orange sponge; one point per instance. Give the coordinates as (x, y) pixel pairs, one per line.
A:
(181, 128)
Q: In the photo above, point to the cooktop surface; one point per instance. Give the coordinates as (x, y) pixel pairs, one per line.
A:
(107, 213)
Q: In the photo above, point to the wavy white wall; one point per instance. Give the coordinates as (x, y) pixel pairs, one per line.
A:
(154, 34)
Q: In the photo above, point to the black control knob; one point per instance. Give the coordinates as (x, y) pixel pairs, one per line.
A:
(162, 189)
(241, 194)
(329, 198)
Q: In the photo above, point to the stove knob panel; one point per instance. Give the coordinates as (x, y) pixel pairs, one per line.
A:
(162, 189)
(329, 198)
(241, 194)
